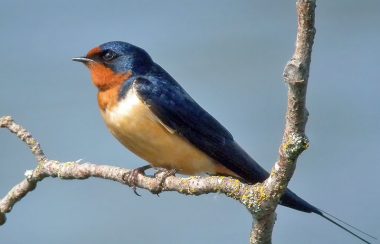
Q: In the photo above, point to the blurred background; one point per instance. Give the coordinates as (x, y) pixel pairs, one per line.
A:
(230, 56)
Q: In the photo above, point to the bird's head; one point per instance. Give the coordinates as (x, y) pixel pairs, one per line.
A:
(114, 62)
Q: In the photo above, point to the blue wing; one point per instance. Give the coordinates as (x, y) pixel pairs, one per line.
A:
(177, 110)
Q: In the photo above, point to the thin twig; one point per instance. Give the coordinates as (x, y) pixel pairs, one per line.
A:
(246, 194)
(24, 135)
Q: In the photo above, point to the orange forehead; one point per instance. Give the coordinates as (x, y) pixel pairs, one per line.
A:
(94, 52)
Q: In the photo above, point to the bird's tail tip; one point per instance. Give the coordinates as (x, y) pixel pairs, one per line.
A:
(346, 226)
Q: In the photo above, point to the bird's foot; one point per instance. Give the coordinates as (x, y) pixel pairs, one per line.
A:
(161, 175)
(131, 177)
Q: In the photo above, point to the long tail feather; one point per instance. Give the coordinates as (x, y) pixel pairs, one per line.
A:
(331, 218)
(290, 199)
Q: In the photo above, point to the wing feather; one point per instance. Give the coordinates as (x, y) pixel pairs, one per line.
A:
(179, 112)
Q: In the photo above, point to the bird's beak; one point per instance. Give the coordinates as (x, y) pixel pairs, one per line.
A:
(82, 60)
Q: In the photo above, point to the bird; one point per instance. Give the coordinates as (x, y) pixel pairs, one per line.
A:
(152, 115)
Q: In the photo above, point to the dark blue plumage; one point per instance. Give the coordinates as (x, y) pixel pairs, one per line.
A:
(174, 107)
(137, 59)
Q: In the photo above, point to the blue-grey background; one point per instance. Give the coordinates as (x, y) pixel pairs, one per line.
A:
(230, 56)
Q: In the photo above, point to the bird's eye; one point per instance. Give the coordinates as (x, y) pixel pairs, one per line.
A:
(109, 55)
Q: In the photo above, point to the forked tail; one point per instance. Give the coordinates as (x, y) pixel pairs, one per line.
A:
(331, 218)
(290, 199)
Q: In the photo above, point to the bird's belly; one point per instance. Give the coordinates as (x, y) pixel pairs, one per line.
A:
(137, 128)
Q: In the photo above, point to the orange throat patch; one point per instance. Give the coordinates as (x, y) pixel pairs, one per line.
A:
(109, 84)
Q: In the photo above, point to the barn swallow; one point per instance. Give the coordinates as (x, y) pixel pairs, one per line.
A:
(155, 118)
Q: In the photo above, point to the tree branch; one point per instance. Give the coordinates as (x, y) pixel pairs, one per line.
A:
(260, 199)
(248, 195)
(294, 140)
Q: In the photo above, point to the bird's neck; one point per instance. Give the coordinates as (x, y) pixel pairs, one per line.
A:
(107, 99)
(109, 85)
(105, 78)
